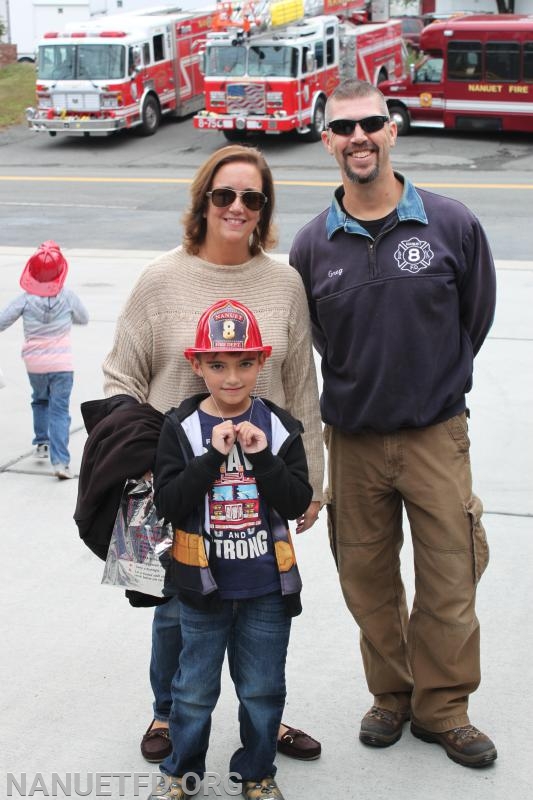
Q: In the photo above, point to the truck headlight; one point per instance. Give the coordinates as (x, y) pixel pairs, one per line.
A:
(217, 98)
(109, 101)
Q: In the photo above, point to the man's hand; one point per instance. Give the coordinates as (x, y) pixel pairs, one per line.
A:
(308, 518)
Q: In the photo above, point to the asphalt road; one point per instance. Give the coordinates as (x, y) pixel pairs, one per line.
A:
(128, 192)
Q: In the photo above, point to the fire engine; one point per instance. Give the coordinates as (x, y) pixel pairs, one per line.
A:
(121, 71)
(268, 67)
(476, 74)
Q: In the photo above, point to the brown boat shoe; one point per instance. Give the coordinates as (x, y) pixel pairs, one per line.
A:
(467, 745)
(156, 744)
(381, 727)
(294, 743)
(297, 744)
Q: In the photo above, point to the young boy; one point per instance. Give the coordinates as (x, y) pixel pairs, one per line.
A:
(48, 311)
(230, 470)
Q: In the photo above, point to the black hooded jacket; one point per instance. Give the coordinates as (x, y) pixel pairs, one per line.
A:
(122, 443)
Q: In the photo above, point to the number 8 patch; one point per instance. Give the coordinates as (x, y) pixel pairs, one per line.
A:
(413, 255)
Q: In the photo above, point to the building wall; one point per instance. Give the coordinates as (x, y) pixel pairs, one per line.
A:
(29, 19)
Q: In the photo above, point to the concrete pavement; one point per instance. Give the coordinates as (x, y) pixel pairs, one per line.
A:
(75, 694)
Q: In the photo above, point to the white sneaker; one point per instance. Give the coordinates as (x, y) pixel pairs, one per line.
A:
(62, 472)
(41, 451)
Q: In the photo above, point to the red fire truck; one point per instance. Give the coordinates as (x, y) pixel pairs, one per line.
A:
(272, 73)
(476, 74)
(120, 71)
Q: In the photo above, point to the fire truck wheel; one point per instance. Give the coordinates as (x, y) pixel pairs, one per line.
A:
(400, 116)
(234, 135)
(151, 116)
(317, 123)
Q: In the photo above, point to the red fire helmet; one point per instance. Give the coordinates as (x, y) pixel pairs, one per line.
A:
(45, 272)
(227, 327)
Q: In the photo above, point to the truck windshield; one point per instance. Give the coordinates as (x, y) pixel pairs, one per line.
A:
(429, 70)
(225, 61)
(273, 60)
(255, 61)
(78, 61)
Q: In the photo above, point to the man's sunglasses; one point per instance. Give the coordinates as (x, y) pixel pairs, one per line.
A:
(345, 127)
(253, 200)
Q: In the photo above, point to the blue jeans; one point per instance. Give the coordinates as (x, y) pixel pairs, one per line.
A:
(166, 648)
(255, 633)
(50, 405)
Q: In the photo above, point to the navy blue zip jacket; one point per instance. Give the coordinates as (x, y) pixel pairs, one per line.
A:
(397, 319)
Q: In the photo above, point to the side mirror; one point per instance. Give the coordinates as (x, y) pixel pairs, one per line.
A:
(135, 61)
(202, 61)
(309, 61)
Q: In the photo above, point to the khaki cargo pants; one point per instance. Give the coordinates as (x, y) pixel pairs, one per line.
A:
(428, 659)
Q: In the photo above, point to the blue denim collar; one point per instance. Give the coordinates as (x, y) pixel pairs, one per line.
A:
(410, 207)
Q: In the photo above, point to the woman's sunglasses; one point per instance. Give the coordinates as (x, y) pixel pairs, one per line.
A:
(253, 200)
(345, 127)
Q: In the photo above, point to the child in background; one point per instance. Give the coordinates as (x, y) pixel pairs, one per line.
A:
(47, 312)
(230, 471)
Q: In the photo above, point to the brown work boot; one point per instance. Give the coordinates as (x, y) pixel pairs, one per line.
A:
(467, 746)
(381, 727)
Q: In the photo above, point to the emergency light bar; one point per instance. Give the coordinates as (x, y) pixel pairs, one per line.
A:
(85, 34)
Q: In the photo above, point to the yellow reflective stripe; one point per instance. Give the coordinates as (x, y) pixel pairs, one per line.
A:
(189, 549)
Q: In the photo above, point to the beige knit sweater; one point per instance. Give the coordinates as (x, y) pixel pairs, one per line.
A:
(159, 321)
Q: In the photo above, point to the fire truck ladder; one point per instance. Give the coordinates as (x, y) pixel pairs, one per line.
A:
(256, 16)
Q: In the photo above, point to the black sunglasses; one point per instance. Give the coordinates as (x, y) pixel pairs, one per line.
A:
(253, 200)
(345, 127)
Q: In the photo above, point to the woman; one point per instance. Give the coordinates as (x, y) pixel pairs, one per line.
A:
(227, 228)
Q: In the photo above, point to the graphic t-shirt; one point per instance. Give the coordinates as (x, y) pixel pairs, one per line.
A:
(244, 564)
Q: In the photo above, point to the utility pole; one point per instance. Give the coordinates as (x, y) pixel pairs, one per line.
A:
(8, 23)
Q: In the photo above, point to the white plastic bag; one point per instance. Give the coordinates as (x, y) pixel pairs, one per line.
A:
(137, 541)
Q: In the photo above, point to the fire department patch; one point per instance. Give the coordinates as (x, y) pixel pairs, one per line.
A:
(413, 255)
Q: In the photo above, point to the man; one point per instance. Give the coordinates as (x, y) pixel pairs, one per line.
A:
(401, 289)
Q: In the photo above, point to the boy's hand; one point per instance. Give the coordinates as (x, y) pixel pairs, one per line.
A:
(223, 436)
(250, 438)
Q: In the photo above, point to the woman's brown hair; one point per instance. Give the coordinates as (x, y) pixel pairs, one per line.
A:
(194, 222)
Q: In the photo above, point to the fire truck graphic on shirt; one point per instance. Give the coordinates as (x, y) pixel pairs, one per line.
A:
(238, 528)
(241, 544)
(234, 499)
